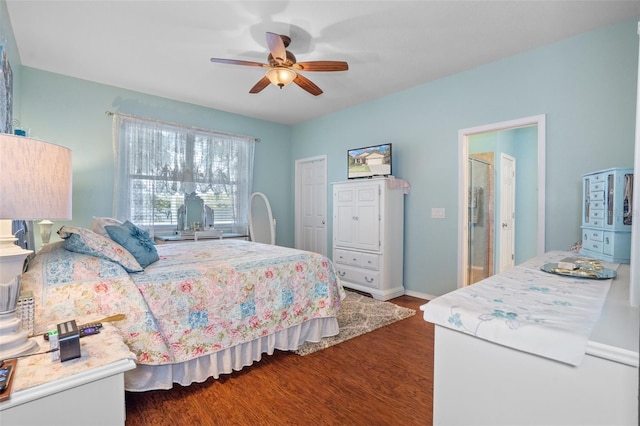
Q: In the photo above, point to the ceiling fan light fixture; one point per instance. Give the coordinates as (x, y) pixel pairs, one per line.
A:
(281, 76)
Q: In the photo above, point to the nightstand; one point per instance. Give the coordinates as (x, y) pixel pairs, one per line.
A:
(87, 390)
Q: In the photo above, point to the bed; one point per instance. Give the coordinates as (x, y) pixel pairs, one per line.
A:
(203, 309)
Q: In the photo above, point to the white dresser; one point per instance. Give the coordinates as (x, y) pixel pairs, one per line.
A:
(478, 381)
(368, 219)
(606, 214)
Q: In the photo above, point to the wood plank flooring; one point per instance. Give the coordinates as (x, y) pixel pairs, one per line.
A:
(381, 378)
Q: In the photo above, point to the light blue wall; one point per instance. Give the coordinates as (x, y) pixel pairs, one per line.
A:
(585, 85)
(71, 112)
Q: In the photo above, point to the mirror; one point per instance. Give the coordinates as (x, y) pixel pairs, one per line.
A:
(262, 228)
(191, 215)
(489, 241)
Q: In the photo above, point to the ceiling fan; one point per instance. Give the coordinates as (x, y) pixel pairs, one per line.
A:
(283, 68)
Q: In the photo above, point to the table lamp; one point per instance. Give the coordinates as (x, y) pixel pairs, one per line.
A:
(35, 183)
(45, 231)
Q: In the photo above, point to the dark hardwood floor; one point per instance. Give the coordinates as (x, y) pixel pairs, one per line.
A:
(381, 378)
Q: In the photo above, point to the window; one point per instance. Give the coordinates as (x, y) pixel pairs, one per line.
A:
(158, 164)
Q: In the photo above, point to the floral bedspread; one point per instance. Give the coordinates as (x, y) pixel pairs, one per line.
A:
(199, 298)
(527, 309)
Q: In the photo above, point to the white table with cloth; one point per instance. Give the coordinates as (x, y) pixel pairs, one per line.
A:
(529, 347)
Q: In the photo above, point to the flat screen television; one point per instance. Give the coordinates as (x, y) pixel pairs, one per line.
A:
(369, 161)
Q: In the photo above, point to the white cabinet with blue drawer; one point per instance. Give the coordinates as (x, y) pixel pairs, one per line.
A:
(606, 214)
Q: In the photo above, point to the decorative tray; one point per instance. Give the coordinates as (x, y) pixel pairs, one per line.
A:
(580, 268)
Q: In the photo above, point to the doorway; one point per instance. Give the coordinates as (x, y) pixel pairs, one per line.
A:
(481, 213)
(530, 148)
(311, 204)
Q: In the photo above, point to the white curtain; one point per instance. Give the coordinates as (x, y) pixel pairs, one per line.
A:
(158, 163)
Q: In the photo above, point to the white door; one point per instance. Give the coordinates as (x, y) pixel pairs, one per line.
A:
(507, 211)
(311, 205)
(345, 213)
(367, 219)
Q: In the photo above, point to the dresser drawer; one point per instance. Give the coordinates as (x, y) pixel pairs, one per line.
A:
(596, 221)
(597, 204)
(355, 258)
(596, 196)
(367, 260)
(596, 215)
(594, 246)
(341, 256)
(358, 276)
(597, 185)
(593, 235)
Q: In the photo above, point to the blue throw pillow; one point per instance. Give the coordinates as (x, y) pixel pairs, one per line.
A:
(136, 240)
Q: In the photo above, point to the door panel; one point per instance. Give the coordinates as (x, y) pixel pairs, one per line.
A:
(507, 211)
(343, 225)
(368, 217)
(311, 205)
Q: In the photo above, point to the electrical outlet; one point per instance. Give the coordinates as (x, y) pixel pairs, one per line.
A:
(437, 213)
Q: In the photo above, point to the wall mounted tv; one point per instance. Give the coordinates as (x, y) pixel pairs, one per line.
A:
(369, 161)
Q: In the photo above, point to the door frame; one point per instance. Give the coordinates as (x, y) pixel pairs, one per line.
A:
(463, 182)
(298, 197)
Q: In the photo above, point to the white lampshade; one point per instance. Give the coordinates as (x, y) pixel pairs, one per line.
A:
(281, 76)
(35, 179)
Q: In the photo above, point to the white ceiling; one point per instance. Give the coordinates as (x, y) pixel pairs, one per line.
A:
(163, 47)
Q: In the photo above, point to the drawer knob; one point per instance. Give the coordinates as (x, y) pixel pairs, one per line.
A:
(342, 274)
(369, 280)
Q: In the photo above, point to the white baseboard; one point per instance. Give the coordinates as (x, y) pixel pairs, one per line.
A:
(419, 295)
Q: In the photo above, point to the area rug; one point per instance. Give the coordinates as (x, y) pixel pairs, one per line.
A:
(358, 315)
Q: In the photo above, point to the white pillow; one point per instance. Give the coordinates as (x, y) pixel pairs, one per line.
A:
(98, 224)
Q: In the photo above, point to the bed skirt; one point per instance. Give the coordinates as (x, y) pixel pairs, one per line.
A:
(153, 377)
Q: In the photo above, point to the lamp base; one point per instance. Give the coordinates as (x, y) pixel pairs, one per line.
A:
(13, 340)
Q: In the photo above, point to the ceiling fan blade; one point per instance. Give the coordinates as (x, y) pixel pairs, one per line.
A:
(264, 82)
(276, 47)
(321, 66)
(238, 62)
(307, 85)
